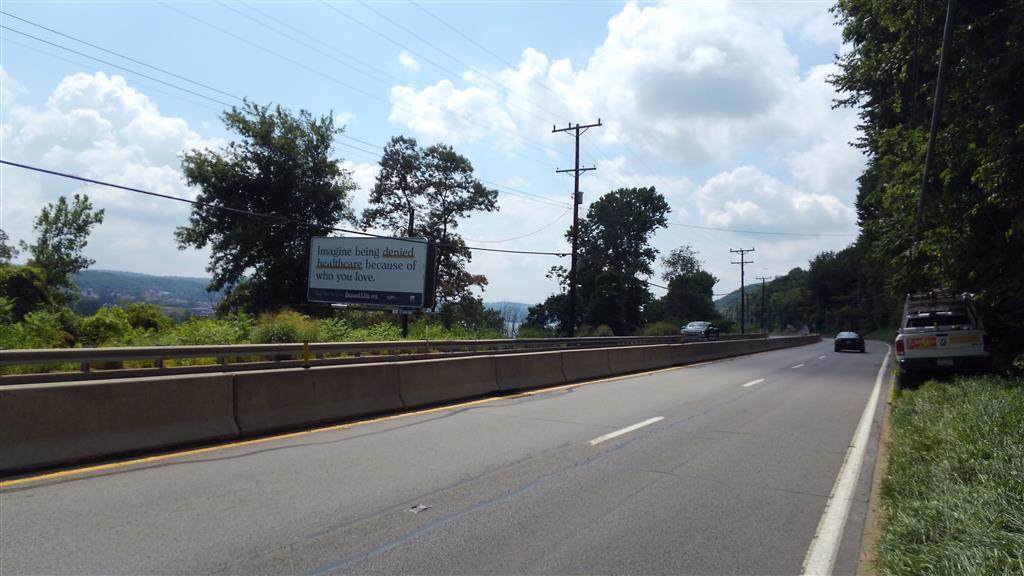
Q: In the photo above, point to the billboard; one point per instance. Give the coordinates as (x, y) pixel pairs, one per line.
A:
(385, 272)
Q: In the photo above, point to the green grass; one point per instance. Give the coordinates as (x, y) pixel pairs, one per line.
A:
(883, 334)
(954, 493)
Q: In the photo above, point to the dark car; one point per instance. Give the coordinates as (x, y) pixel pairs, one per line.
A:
(699, 332)
(849, 341)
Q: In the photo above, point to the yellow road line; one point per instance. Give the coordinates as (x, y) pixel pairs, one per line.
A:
(347, 425)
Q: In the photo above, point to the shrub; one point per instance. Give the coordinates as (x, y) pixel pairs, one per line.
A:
(144, 316)
(602, 330)
(107, 326)
(42, 329)
(25, 287)
(532, 331)
(660, 329)
(274, 333)
(285, 326)
(204, 331)
(334, 330)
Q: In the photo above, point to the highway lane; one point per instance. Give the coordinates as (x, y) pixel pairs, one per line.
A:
(732, 479)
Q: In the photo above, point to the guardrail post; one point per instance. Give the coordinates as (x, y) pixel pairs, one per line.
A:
(158, 363)
(222, 360)
(84, 366)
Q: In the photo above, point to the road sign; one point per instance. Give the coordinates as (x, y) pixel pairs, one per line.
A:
(385, 272)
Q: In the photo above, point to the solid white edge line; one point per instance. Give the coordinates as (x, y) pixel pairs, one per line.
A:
(822, 553)
(625, 430)
(752, 382)
(798, 366)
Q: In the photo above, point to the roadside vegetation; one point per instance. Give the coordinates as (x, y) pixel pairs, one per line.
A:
(954, 492)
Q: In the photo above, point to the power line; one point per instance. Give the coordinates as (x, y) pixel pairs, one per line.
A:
(142, 74)
(577, 199)
(372, 154)
(119, 55)
(276, 54)
(257, 214)
(804, 234)
(743, 289)
(347, 61)
(534, 79)
(538, 231)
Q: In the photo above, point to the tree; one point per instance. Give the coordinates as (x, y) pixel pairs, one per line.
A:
(971, 231)
(281, 164)
(680, 261)
(62, 234)
(7, 252)
(425, 193)
(615, 255)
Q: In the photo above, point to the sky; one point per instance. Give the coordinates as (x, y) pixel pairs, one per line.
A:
(724, 107)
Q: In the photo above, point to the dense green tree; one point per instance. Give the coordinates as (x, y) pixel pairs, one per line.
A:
(615, 256)
(25, 289)
(280, 164)
(690, 288)
(551, 314)
(62, 233)
(425, 193)
(971, 231)
(7, 252)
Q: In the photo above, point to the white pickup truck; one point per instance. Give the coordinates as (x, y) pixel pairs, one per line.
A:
(941, 333)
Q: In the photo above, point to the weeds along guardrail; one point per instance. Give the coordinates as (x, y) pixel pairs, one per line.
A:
(73, 364)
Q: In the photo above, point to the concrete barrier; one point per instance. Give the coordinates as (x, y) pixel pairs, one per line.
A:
(626, 359)
(282, 399)
(585, 364)
(656, 357)
(64, 423)
(529, 370)
(428, 382)
(59, 424)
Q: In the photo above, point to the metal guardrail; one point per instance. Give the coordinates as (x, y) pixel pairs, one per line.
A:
(96, 363)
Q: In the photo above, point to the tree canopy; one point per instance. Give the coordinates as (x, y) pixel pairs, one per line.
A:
(62, 233)
(971, 233)
(280, 164)
(426, 193)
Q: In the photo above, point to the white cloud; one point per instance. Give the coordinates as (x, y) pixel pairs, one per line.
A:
(99, 127)
(408, 61)
(746, 198)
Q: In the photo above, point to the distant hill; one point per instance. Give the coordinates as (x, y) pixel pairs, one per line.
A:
(517, 308)
(729, 302)
(99, 288)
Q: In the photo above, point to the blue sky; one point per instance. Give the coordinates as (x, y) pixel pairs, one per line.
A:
(724, 107)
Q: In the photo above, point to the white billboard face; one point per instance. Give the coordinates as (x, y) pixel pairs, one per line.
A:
(389, 272)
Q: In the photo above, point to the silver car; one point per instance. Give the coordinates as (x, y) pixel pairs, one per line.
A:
(699, 331)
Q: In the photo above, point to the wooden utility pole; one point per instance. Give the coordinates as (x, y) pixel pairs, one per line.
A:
(940, 88)
(763, 279)
(577, 199)
(743, 290)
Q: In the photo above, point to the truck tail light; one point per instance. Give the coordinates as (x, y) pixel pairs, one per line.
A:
(899, 348)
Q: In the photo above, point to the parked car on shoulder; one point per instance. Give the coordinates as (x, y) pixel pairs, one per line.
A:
(941, 333)
(849, 341)
(699, 331)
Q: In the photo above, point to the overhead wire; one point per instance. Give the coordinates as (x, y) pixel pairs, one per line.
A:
(260, 214)
(293, 61)
(118, 66)
(535, 81)
(527, 235)
(349, 60)
(771, 233)
(376, 156)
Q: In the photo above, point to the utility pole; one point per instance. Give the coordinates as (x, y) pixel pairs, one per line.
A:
(577, 199)
(763, 279)
(408, 234)
(940, 87)
(743, 292)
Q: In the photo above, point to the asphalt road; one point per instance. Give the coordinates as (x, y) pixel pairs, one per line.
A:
(731, 480)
